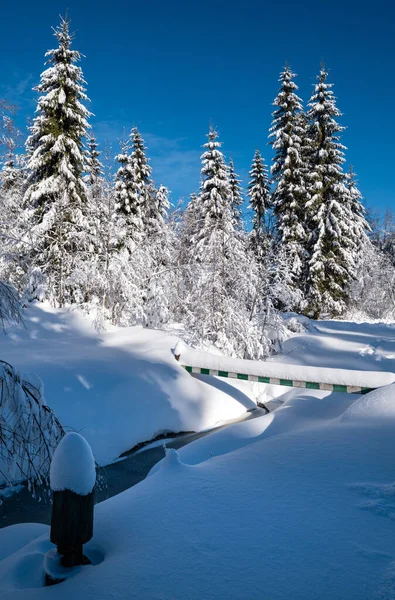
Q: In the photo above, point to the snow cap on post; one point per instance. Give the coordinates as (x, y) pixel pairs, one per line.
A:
(179, 349)
(73, 466)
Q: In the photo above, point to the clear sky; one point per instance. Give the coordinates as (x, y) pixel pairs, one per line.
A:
(172, 67)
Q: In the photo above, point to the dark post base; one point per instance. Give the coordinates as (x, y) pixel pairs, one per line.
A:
(72, 555)
(50, 581)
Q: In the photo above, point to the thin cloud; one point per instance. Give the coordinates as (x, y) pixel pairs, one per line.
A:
(173, 164)
(19, 90)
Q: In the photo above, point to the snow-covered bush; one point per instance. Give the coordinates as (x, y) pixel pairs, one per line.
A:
(37, 287)
(29, 430)
(10, 306)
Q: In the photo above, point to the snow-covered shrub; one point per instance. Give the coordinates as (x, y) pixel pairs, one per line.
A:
(29, 430)
(37, 287)
(10, 306)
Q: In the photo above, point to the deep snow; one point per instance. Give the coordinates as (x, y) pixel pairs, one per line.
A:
(297, 504)
(117, 389)
(301, 514)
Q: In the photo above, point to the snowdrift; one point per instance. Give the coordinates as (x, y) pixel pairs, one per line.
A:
(301, 514)
(117, 389)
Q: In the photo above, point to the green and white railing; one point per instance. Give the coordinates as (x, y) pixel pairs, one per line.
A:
(310, 385)
(284, 374)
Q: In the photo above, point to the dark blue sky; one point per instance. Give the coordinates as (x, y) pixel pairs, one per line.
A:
(171, 67)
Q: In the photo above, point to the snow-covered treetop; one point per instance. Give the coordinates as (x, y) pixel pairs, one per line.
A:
(55, 145)
(93, 165)
(162, 199)
(358, 212)
(142, 170)
(322, 105)
(134, 189)
(73, 466)
(236, 195)
(286, 130)
(258, 191)
(214, 190)
(324, 128)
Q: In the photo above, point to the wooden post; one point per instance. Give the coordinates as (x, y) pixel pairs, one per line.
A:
(72, 525)
(73, 477)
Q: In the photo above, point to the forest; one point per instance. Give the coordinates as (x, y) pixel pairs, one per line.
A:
(224, 266)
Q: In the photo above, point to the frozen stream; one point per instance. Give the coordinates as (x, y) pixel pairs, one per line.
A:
(124, 473)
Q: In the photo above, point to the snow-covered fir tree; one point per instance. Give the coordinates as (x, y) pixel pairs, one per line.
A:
(56, 194)
(260, 204)
(127, 194)
(12, 186)
(288, 169)
(236, 195)
(219, 303)
(162, 251)
(134, 188)
(332, 247)
(360, 226)
(189, 226)
(145, 187)
(94, 167)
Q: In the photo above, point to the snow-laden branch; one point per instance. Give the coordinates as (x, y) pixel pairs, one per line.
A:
(29, 430)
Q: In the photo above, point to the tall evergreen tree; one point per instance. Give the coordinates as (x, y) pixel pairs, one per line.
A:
(56, 194)
(144, 185)
(126, 192)
(360, 226)
(219, 303)
(288, 170)
(260, 203)
(55, 144)
(332, 248)
(236, 196)
(135, 191)
(214, 196)
(93, 165)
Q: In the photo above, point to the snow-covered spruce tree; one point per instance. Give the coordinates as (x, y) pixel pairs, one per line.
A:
(12, 187)
(162, 249)
(260, 204)
(94, 167)
(150, 210)
(188, 227)
(56, 194)
(126, 193)
(236, 196)
(135, 191)
(332, 248)
(219, 303)
(288, 172)
(360, 226)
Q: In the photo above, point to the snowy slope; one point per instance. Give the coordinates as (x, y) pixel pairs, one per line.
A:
(301, 410)
(342, 345)
(117, 389)
(302, 514)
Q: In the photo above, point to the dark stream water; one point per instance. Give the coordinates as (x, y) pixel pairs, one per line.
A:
(125, 473)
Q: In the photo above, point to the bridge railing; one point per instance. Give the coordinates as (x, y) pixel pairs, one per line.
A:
(284, 374)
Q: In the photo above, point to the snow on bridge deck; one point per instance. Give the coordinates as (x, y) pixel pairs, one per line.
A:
(300, 376)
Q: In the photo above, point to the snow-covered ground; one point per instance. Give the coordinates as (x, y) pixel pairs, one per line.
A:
(297, 504)
(302, 512)
(117, 389)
